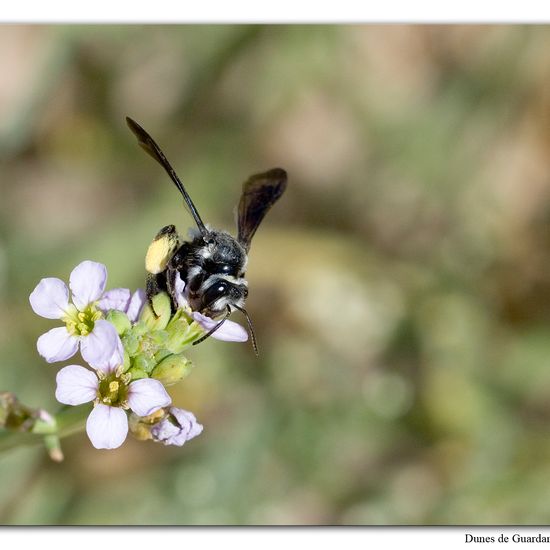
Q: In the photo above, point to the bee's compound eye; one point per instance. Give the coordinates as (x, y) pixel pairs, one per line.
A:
(218, 289)
(226, 268)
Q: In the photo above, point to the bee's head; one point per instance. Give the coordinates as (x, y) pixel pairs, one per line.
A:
(221, 293)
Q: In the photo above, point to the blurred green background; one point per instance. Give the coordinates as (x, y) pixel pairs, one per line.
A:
(400, 289)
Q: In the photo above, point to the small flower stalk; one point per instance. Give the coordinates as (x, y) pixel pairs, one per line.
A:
(131, 351)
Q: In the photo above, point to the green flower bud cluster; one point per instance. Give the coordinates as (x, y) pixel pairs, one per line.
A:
(16, 416)
(153, 347)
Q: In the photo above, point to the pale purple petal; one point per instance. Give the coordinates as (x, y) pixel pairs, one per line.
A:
(179, 287)
(168, 433)
(116, 359)
(228, 332)
(117, 298)
(57, 345)
(107, 427)
(76, 385)
(87, 282)
(146, 395)
(50, 298)
(137, 301)
(98, 347)
(176, 429)
(187, 421)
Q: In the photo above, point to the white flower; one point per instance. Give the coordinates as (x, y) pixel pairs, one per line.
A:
(112, 392)
(84, 325)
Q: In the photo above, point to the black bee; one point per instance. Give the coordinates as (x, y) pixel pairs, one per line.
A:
(213, 263)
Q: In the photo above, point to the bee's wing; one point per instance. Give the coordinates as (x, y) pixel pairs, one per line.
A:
(260, 193)
(148, 144)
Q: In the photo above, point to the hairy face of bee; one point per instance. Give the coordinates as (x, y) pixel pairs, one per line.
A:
(161, 250)
(213, 268)
(221, 293)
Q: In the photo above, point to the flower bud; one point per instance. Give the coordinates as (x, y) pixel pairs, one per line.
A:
(181, 334)
(177, 427)
(6, 403)
(18, 417)
(130, 341)
(137, 373)
(162, 354)
(158, 338)
(172, 369)
(119, 320)
(140, 426)
(157, 319)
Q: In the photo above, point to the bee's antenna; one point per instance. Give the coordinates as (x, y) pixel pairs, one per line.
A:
(149, 145)
(250, 328)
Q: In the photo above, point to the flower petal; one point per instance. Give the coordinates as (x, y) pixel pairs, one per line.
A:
(98, 347)
(76, 385)
(145, 396)
(228, 332)
(177, 428)
(116, 359)
(187, 421)
(50, 298)
(137, 301)
(87, 283)
(168, 433)
(179, 287)
(117, 298)
(107, 427)
(57, 345)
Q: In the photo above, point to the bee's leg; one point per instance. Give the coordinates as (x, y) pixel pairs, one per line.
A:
(155, 284)
(158, 257)
(171, 274)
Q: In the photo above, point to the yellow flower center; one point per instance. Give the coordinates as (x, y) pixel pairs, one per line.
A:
(113, 388)
(81, 323)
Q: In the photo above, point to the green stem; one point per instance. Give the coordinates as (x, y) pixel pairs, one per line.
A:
(68, 421)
